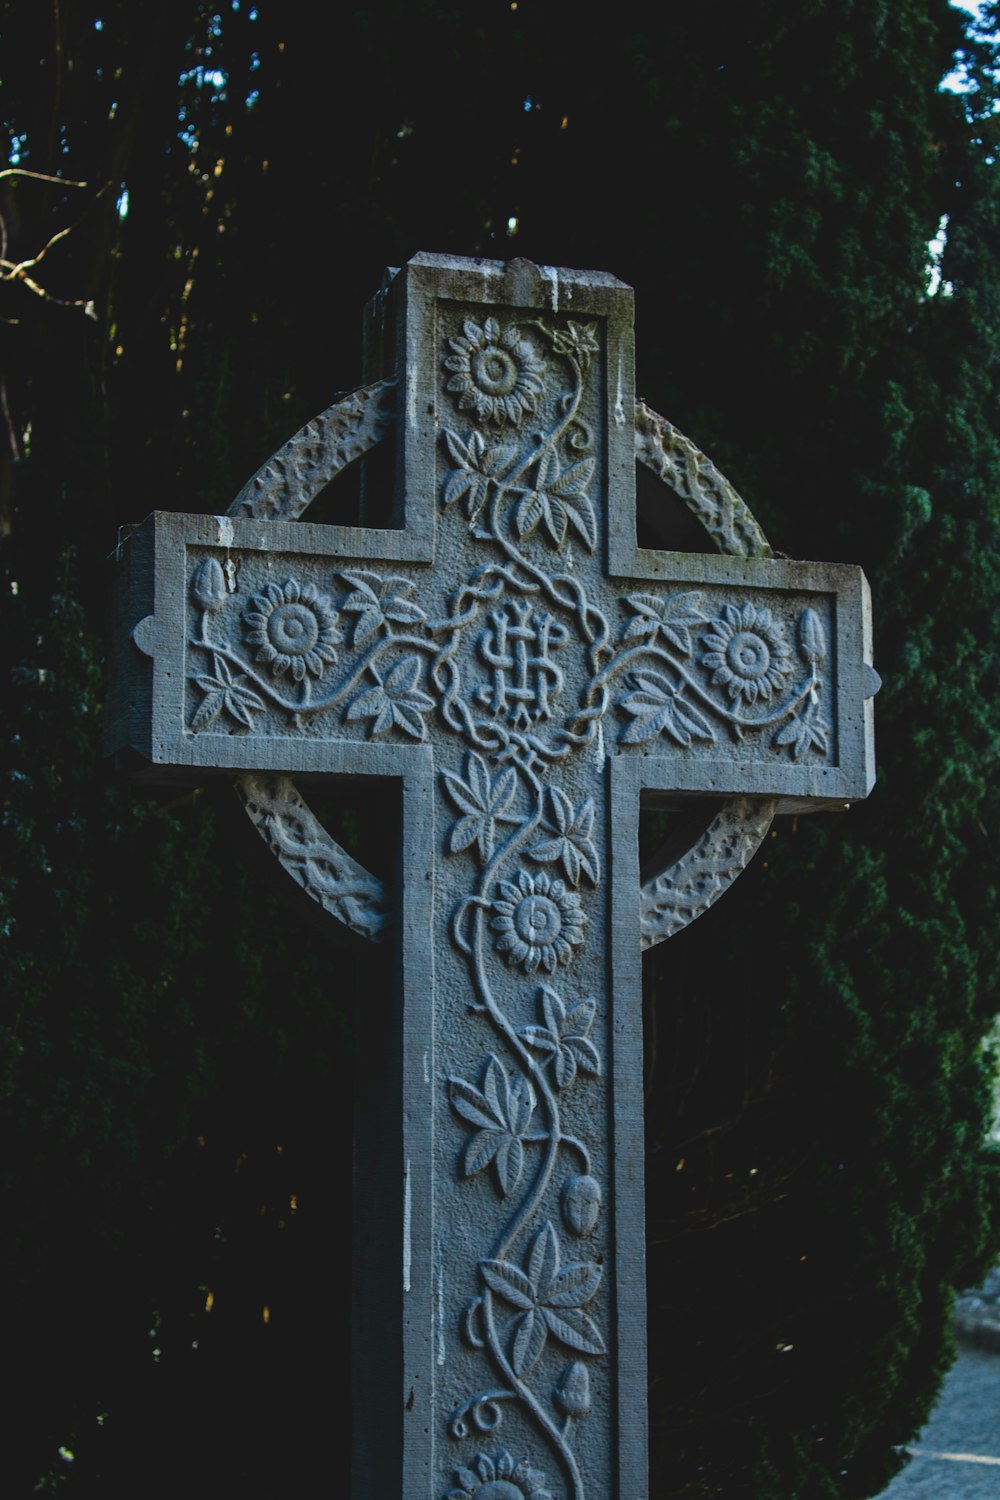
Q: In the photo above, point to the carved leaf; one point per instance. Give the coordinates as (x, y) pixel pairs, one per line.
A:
(501, 1115)
(581, 517)
(529, 1341)
(571, 843)
(808, 732)
(484, 803)
(528, 514)
(224, 691)
(210, 706)
(510, 1160)
(564, 1037)
(555, 518)
(396, 700)
(543, 1258)
(471, 1105)
(672, 618)
(509, 1282)
(574, 480)
(549, 1300)
(477, 465)
(375, 600)
(574, 1285)
(657, 708)
(574, 1329)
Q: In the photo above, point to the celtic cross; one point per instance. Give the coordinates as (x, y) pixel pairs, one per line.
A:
(525, 673)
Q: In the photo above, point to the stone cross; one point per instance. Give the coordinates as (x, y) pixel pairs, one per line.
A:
(524, 673)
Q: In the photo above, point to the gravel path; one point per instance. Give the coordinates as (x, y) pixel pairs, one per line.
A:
(957, 1455)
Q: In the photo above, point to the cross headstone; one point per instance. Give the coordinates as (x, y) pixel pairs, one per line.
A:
(525, 673)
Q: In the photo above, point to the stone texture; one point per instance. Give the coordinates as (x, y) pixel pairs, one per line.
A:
(523, 673)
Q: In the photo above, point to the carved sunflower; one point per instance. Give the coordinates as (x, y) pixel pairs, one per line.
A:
(499, 1479)
(495, 372)
(294, 629)
(539, 921)
(747, 652)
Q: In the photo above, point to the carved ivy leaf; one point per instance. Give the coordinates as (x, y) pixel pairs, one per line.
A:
(377, 600)
(657, 708)
(477, 467)
(810, 732)
(500, 1113)
(225, 692)
(396, 700)
(484, 803)
(549, 1299)
(564, 1037)
(672, 618)
(570, 843)
(558, 501)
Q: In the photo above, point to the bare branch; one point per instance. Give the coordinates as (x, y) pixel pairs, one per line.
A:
(40, 177)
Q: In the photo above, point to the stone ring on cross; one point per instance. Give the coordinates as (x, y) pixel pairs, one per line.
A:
(525, 672)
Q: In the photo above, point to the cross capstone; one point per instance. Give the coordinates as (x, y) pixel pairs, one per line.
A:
(525, 672)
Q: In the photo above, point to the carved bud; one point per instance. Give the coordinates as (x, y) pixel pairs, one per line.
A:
(812, 636)
(572, 1394)
(208, 585)
(581, 1203)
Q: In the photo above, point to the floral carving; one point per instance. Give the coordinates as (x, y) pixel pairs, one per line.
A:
(806, 731)
(579, 340)
(477, 467)
(671, 618)
(747, 653)
(224, 692)
(564, 1037)
(495, 372)
(557, 501)
(395, 699)
(658, 706)
(499, 1479)
(570, 840)
(549, 1299)
(294, 629)
(540, 486)
(375, 600)
(500, 1113)
(483, 800)
(540, 923)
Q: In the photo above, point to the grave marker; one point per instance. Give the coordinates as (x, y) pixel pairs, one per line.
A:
(524, 672)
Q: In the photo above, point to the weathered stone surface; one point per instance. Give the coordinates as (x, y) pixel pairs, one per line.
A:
(524, 673)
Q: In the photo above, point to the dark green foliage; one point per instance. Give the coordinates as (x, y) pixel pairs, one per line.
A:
(768, 177)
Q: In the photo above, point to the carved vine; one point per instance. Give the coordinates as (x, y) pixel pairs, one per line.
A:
(313, 857)
(536, 860)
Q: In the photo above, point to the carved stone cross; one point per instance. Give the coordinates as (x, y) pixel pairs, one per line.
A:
(525, 673)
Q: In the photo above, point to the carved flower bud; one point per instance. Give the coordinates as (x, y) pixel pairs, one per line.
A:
(572, 1394)
(208, 585)
(581, 1203)
(812, 636)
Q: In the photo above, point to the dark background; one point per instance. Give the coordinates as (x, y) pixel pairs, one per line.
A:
(174, 1044)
